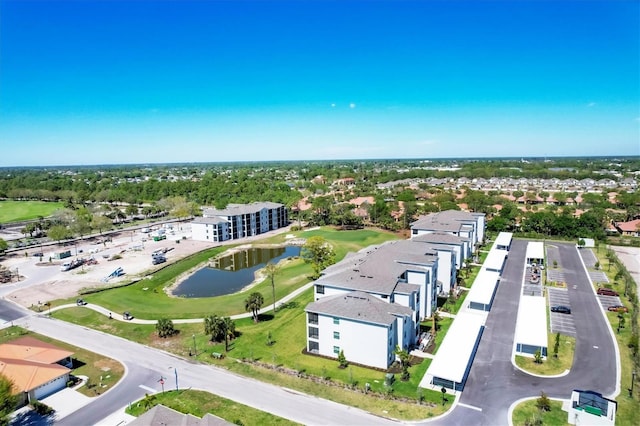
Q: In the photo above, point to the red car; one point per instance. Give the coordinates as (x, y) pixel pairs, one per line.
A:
(618, 308)
(607, 292)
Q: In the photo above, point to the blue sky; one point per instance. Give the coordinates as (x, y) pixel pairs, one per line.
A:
(115, 81)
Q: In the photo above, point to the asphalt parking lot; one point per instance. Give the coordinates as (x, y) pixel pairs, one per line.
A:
(607, 301)
(561, 323)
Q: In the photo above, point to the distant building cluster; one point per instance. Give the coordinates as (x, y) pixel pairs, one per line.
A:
(238, 221)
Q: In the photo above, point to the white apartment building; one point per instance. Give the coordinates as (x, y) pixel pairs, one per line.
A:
(366, 328)
(239, 221)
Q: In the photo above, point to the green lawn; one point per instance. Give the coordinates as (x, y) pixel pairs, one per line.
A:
(103, 372)
(551, 366)
(287, 329)
(14, 211)
(199, 403)
(527, 412)
(147, 298)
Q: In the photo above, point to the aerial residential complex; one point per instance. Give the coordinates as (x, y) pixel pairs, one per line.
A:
(373, 301)
(239, 221)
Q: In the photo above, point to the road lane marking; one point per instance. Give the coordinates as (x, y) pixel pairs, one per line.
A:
(147, 388)
(470, 406)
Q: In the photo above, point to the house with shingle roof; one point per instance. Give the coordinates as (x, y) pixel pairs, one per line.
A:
(631, 228)
(36, 368)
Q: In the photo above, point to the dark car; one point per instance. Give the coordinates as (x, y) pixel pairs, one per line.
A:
(158, 259)
(127, 316)
(603, 291)
(618, 308)
(561, 309)
(81, 302)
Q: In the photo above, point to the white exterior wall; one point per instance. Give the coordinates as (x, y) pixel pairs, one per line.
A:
(480, 227)
(328, 291)
(402, 299)
(446, 270)
(198, 232)
(51, 387)
(427, 290)
(362, 343)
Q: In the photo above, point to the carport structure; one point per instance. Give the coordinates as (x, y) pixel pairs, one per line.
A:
(535, 253)
(531, 326)
(495, 260)
(483, 290)
(503, 241)
(450, 368)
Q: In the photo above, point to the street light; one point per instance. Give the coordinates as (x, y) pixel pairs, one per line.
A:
(195, 348)
(175, 370)
(633, 379)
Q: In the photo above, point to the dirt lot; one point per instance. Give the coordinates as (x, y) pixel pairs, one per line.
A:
(43, 280)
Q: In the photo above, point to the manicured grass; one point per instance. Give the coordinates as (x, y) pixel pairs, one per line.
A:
(628, 406)
(15, 211)
(103, 372)
(260, 360)
(199, 403)
(526, 413)
(147, 298)
(551, 366)
(288, 333)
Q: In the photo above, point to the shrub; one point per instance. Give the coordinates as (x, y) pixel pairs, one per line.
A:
(543, 403)
(42, 409)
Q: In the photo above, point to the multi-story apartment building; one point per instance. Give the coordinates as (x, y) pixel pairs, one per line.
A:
(239, 221)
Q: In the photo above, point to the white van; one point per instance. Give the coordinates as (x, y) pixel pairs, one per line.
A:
(65, 266)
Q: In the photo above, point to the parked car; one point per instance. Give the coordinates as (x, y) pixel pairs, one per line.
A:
(127, 316)
(618, 308)
(603, 291)
(158, 259)
(81, 302)
(561, 309)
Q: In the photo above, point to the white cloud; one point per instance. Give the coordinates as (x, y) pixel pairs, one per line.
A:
(352, 105)
(333, 105)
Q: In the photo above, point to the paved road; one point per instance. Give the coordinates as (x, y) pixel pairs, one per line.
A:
(146, 365)
(494, 383)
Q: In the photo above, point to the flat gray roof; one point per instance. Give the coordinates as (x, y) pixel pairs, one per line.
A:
(238, 209)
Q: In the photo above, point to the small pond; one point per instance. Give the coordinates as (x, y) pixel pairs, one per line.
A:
(230, 274)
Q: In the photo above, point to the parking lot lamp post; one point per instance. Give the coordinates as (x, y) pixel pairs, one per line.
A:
(195, 348)
(633, 379)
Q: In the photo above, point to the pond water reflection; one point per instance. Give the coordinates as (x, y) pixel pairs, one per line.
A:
(230, 274)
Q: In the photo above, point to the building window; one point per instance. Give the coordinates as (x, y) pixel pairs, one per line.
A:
(336, 320)
(336, 335)
(313, 332)
(336, 349)
(313, 318)
(319, 289)
(384, 296)
(314, 346)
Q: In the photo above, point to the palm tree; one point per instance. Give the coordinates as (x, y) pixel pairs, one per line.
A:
(435, 317)
(404, 357)
(229, 328)
(253, 303)
(272, 270)
(211, 325)
(164, 327)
